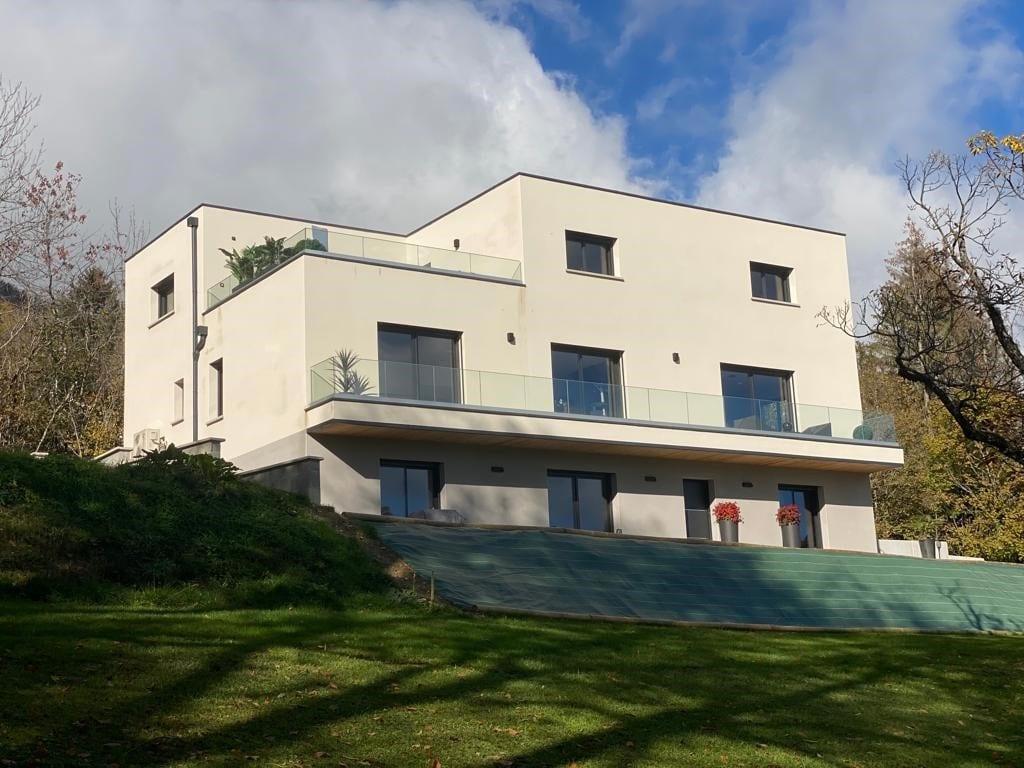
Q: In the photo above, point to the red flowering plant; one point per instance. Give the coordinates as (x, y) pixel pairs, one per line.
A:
(788, 514)
(727, 510)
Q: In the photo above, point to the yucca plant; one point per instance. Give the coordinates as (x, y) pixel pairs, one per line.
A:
(346, 378)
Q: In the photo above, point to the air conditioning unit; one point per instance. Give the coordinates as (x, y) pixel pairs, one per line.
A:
(146, 440)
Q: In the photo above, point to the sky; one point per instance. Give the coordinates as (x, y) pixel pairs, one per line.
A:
(384, 114)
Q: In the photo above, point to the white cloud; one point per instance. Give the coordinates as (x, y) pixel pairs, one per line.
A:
(861, 85)
(378, 115)
(565, 13)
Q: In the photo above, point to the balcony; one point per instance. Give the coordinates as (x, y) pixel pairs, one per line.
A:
(454, 388)
(374, 250)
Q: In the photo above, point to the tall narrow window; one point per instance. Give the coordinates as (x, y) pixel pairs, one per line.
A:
(769, 282)
(755, 398)
(697, 507)
(408, 487)
(586, 381)
(419, 364)
(589, 253)
(178, 399)
(217, 389)
(163, 297)
(580, 500)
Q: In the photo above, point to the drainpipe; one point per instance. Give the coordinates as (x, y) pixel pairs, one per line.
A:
(193, 224)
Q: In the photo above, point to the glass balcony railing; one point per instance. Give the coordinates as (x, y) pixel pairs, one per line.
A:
(376, 249)
(510, 391)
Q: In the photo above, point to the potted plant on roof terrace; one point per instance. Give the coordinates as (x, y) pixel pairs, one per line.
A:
(727, 513)
(788, 518)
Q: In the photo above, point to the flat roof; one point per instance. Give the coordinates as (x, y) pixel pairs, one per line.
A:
(491, 188)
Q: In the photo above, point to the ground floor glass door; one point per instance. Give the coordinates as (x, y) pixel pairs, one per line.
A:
(806, 500)
(579, 500)
(408, 487)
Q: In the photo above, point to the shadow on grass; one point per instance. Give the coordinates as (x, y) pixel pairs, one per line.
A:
(369, 682)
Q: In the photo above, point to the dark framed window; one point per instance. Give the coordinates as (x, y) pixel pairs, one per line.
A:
(697, 507)
(589, 253)
(580, 500)
(587, 381)
(758, 398)
(806, 500)
(163, 297)
(408, 487)
(419, 364)
(769, 282)
(217, 388)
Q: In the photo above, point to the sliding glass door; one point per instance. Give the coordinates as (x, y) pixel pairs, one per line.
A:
(586, 381)
(756, 398)
(579, 500)
(407, 487)
(419, 364)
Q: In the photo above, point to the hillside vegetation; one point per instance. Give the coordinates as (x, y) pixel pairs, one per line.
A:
(185, 525)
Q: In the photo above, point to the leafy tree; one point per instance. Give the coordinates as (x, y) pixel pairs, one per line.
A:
(950, 314)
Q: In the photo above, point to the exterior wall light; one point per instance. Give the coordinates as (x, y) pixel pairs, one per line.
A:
(511, 337)
(675, 357)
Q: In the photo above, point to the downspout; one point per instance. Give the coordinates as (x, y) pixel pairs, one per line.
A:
(193, 224)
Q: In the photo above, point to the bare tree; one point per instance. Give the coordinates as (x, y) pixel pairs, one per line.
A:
(950, 313)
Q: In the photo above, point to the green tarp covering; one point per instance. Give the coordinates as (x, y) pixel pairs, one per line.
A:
(548, 571)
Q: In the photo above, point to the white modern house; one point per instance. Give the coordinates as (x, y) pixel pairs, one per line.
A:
(544, 354)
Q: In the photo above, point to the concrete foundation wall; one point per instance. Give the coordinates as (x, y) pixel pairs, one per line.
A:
(300, 476)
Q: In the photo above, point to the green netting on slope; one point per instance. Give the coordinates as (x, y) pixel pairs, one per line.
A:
(549, 571)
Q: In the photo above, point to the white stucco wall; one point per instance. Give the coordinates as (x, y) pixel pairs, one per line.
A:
(681, 285)
(518, 495)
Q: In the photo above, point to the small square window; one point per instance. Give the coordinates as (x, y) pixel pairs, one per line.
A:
(589, 253)
(163, 297)
(769, 282)
(217, 389)
(179, 401)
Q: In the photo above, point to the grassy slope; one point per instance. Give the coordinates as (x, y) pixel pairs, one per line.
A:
(73, 528)
(332, 670)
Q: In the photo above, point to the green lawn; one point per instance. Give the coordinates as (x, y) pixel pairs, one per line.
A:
(390, 683)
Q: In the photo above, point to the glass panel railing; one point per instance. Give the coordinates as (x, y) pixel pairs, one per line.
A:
(221, 290)
(255, 260)
(347, 375)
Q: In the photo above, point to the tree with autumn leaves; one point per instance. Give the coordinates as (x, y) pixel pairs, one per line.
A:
(941, 349)
(61, 312)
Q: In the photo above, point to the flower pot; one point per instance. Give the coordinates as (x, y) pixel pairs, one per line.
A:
(928, 549)
(729, 530)
(790, 534)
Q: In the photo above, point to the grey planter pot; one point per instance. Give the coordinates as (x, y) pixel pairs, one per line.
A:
(790, 535)
(729, 530)
(928, 549)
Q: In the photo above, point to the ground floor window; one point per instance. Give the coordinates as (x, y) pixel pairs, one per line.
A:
(580, 500)
(806, 500)
(407, 487)
(697, 507)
